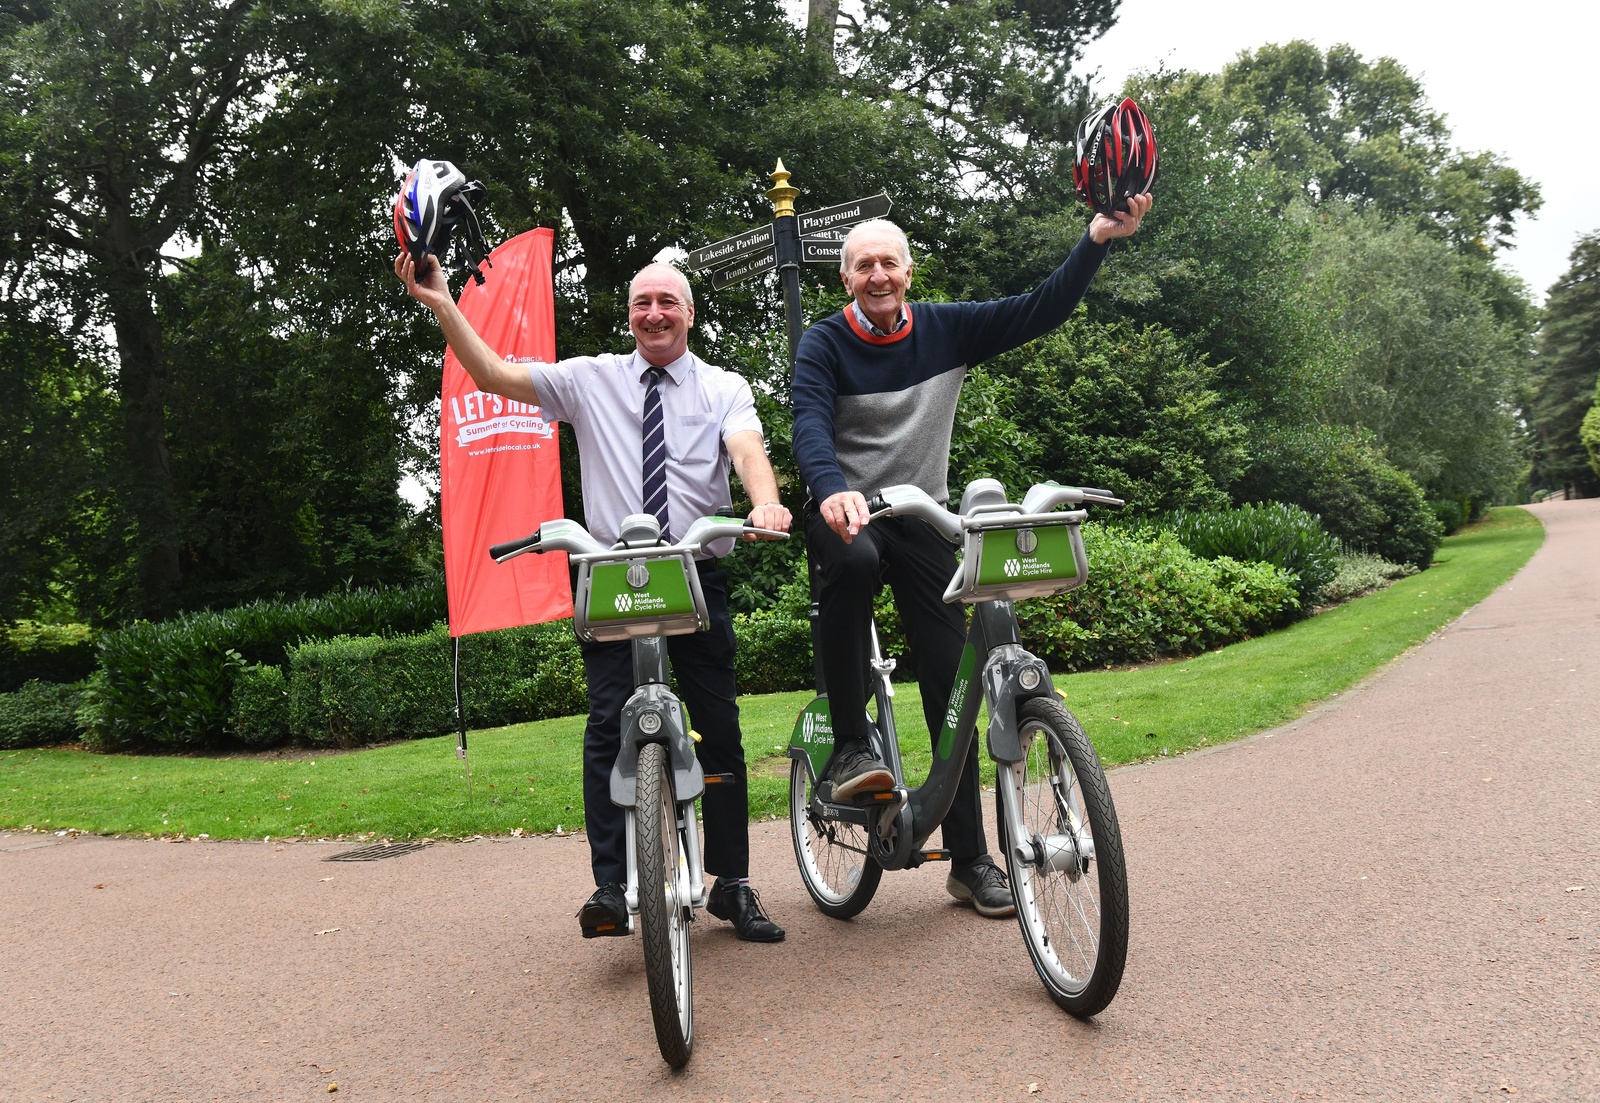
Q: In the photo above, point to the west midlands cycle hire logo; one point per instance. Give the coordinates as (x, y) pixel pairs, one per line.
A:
(624, 603)
(815, 729)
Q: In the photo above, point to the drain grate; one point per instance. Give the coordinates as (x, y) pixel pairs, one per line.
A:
(376, 852)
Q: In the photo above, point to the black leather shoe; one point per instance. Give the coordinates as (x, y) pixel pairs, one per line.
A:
(605, 913)
(740, 905)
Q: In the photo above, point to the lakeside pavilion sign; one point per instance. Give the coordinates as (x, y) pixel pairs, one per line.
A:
(789, 240)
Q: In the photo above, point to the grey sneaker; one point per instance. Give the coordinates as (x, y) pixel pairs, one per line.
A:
(982, 884)
(855, 769)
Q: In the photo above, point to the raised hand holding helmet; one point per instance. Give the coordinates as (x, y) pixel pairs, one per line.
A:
(435, 204)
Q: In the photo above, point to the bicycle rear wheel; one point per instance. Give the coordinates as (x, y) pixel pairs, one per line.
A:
(834, 865)
(664, 906)
(1070, 882)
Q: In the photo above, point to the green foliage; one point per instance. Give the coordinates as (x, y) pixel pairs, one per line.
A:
(774, 652)
(1589, 432)
(1429, 370)
(1148, 597)
(1113, 406)
(1449, 512)
(1360, 497)
(1567, 375)
(1210, 263)
(352, 690)
(1360, 573)
(1271, 532)
(1337, 127)
(47, 652)
(259, 711)
(39, 714)
(169, 683)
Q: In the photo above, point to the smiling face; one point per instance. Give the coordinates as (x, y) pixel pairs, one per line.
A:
(877, 273)
(660, 313)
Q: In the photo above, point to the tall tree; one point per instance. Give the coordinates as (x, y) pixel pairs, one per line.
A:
(1340, 127)
(122, 113)
(1567, 373)
(1428, 368)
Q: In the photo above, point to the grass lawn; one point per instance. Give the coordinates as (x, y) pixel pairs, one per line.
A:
(526, 776)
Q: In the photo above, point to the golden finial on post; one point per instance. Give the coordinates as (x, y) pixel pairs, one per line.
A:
(782, 193)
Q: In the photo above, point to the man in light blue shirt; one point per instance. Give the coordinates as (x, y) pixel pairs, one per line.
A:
(709, 422)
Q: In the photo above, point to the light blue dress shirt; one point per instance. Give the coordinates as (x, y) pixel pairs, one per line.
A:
(602, 398)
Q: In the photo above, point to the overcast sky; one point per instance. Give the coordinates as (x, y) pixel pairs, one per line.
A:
(1516, 80)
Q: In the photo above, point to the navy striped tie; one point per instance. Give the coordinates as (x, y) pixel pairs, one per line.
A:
(655, 451)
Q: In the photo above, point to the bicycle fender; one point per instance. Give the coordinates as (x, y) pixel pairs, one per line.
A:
(1003, 689)
(688, 779)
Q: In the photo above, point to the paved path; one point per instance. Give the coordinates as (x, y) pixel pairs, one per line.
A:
(1380, 900)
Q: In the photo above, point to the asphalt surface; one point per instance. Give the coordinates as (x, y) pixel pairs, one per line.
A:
(1394, 897)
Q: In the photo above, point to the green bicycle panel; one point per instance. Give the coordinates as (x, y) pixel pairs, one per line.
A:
(813, 734)
(1001, 562)
(958, 701)
(612, 598)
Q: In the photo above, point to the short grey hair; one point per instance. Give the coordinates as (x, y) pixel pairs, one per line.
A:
(683, 281)
(874, 225)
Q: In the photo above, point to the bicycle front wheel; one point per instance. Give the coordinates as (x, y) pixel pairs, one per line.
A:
(1066, 863)
(834, 865)
(664, 905)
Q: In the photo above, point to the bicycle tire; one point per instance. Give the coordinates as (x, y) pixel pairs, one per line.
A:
(1072, 908)
(664, 908)
(835, 867)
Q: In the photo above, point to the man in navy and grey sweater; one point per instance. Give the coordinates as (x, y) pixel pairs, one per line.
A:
(875, 391)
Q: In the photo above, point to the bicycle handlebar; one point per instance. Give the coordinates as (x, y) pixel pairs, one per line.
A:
(567, 535)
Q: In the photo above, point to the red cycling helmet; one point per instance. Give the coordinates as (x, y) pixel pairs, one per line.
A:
(434, 203)
(1116, 156)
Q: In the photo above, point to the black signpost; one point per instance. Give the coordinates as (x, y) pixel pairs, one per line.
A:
(785, 243)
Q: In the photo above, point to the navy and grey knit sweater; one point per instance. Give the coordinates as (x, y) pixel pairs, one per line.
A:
(871, 412)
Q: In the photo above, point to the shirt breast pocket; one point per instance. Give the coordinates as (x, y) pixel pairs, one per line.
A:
(695, 440)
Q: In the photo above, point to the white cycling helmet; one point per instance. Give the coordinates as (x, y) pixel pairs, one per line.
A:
(434, 203)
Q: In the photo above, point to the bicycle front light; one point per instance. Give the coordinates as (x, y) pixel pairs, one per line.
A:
(1028, 678)
(650, 722)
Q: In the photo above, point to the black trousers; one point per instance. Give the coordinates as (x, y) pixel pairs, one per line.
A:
(703, 664)
(917, 563)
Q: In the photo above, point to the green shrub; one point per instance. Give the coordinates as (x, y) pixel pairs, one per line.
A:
(39, 714)
(1361, 573)
(260, 706)
(1147, 597)
(1272, 532)
(354, 690)
(774, 652)
(1449, 513)
(1362, 499)
(169, 684)
(45, 652)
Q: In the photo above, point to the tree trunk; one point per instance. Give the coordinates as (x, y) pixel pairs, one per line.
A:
(822, 17)
(142, 386)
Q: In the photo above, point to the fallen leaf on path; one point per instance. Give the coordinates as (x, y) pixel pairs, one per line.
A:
(330, 930)
(1570, 888)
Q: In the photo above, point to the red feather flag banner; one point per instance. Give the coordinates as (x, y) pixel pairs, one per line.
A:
(499, 460)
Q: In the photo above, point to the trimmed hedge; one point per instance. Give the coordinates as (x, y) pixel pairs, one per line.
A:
(170, 683)
(1149, 597)
(353, 690)
(39, 714)
(45, 652)
(1360, 573)
(1272, 532)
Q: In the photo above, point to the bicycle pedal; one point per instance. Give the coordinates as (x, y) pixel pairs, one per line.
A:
(935, 855)
(867, 800)
(719, 779)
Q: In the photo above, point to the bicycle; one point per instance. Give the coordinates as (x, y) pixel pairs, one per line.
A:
(1056, 821)
(642, 590)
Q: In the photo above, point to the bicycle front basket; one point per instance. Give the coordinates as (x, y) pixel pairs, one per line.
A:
(1008, 558)
(646, 596)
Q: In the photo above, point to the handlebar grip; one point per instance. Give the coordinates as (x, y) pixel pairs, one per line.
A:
(501, 552)
(876, 504)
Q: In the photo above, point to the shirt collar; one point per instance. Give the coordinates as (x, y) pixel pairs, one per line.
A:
(866, 324)
(677, 371)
